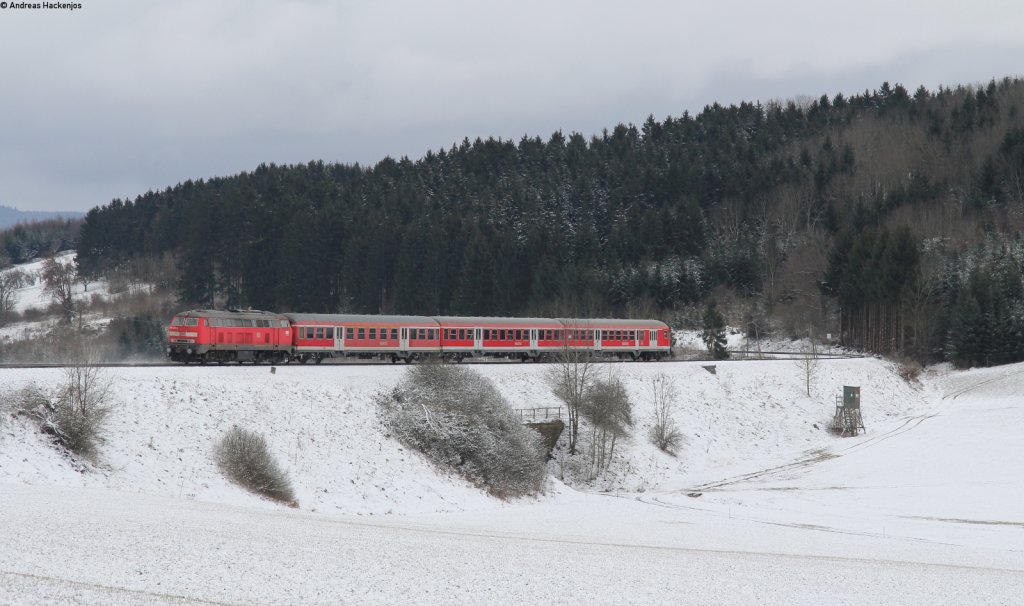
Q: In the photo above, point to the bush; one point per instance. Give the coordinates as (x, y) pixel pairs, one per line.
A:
(909, 368)
(244, 458)
(76, 417)
(457, 418)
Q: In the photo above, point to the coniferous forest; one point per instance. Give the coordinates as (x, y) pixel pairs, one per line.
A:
(890, 218)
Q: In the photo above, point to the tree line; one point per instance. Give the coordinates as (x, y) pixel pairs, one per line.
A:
(840, 214)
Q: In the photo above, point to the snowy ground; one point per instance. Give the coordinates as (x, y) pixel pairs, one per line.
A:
(925, 508)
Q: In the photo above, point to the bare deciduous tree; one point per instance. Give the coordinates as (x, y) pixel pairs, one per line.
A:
(570, 378)
(77, 414)
(10, 281)
(665, 395)
(59, 282)
(610, 412)
(808, 363)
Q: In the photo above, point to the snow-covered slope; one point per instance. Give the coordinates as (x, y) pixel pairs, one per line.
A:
(922, 509)
(322, 425)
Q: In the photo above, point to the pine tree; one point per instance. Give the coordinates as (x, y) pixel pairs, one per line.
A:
(713, 332)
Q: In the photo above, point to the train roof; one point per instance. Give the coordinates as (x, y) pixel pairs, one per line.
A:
(601, 322)
(474, 320)
(247, 314)
(359, 319)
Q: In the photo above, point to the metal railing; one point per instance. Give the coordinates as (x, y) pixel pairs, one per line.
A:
(543, 413)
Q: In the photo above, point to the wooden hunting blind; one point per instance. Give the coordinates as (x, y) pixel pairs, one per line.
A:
(848, 420)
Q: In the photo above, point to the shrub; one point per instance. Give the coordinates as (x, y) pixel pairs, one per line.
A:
(244, 458)
(457, 419)
(909, 368)
(77, 415)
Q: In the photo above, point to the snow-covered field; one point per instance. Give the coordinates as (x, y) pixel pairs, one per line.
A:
(927, 507)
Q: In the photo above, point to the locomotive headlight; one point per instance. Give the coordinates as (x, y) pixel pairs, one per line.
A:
(189, 351)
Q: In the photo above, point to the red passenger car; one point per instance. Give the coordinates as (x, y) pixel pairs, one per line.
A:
(320, 336)
(635, 339)
(515, 338)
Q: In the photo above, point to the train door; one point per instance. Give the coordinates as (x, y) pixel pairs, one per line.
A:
(533, 338)
(597, 339)
(404, 341)
(478, 338)
(339, 338)
(653, 338)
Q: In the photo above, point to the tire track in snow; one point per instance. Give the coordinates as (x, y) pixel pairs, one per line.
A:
(145, 597)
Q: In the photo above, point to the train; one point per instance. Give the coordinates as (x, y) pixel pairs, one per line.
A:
(206, 336)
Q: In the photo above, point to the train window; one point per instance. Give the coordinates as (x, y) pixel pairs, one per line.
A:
(191, 322)
(373, 333)
(176, 322)
(432, 334)
(423, 333)
(350, 333)
(320, 333)
(329, 333)
(394, 333)
(462, 334)
(362, 333)
(444, 334)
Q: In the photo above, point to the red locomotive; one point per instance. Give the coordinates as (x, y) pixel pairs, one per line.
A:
(206, 336)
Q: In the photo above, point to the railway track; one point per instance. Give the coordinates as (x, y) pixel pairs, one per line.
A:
(765, 357)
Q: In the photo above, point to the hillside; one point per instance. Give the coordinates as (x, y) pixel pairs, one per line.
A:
(323, 425)
(10, 217)
(888, 218)
(913, 511)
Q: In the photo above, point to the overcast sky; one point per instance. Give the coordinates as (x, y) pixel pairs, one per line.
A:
(120, 97)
